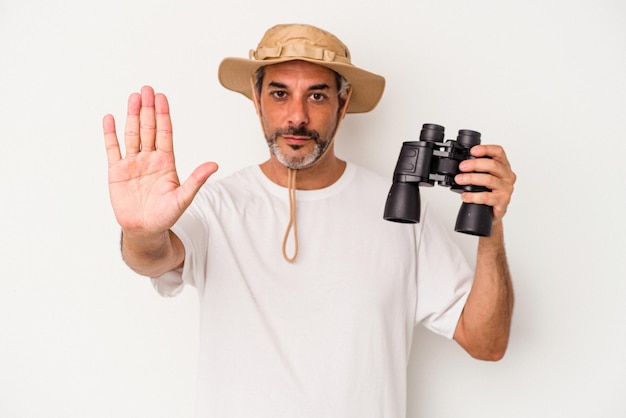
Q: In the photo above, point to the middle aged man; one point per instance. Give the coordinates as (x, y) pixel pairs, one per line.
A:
(308, 297)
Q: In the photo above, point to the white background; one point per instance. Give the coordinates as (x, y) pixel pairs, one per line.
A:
(82, 336)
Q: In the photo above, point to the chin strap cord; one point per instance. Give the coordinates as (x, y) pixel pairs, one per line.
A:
(291, 186)
(293, 225)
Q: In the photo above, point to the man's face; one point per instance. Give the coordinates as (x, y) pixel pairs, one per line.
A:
(299, 110)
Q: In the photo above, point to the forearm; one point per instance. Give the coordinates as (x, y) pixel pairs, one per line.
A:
(485, 323)
(152, 254)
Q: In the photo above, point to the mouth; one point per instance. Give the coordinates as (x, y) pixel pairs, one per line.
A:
(296, 140)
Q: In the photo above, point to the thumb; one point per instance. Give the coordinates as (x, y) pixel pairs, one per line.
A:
(193, 183)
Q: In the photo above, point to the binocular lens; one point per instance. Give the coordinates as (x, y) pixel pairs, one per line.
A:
(432, 133)
(468, 138)
(403, 203)
(474, 219)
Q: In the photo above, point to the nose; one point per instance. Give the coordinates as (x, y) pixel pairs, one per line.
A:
(298, 113)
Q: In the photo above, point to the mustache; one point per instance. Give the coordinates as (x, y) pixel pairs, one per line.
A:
(301, 131)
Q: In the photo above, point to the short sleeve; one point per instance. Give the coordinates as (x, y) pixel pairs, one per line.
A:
(192, 231)
(444, 278)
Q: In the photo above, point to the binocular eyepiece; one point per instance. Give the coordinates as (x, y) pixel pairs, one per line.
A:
(430, 161)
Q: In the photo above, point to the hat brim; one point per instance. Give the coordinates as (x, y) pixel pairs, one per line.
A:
(367, 87)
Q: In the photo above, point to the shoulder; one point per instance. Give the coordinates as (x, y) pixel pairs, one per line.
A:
(244, 175)
(242, 179)
(367, 178)
(227, 191)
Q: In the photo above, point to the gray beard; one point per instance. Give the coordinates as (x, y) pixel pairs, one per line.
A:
(299, 162)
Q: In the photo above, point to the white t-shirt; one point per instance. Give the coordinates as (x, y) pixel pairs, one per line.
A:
(330, 334)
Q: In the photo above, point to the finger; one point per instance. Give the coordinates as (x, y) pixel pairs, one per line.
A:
(478, 179)
(497, 164)
(500, 185)
(498, 197)
(163, 124)
(495, 152)
(483, 165)
(191, 186)
(110, 140)
(131, 130)
(147, 121)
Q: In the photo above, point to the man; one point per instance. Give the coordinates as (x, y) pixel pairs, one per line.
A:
(322, 328)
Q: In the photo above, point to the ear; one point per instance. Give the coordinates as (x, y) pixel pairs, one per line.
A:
(255, 97)
(346, 104)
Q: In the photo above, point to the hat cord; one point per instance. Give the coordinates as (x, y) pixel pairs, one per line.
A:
(291, 188)
(293, 225)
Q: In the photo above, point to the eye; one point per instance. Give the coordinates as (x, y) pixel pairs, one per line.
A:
(318, 97)
(278, 94)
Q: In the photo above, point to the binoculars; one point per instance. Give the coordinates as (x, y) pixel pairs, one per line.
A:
(430, 161)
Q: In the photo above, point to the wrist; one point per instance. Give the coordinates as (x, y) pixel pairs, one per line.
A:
(153, 245)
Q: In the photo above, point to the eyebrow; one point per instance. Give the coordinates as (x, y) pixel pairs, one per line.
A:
(278, 85)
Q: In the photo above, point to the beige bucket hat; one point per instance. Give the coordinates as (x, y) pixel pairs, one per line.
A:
(292, 42)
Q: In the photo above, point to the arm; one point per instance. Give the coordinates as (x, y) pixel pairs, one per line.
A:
(146, 195)
(152, 254)
(484, 326)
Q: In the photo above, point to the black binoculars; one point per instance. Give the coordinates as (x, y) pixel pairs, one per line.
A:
(431, 160)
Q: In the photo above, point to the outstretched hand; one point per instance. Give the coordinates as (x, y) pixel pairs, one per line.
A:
(494, 173)
(145, 191)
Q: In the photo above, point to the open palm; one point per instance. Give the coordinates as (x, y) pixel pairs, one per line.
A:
(145, 191)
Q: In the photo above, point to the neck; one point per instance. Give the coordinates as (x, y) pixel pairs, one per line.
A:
(320, 174)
